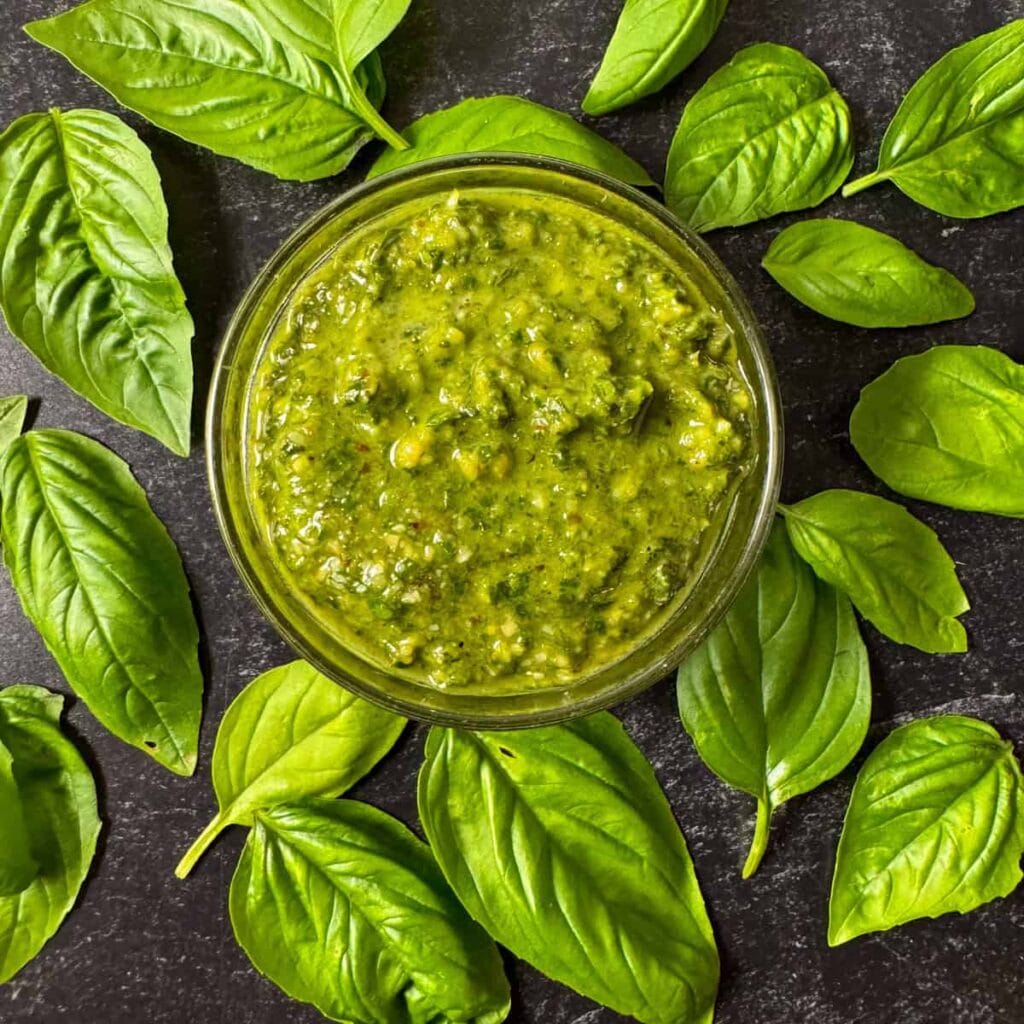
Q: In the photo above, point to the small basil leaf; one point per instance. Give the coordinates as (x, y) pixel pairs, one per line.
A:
(17, 865)
(947, 426)
(956, 144)
(654, 41)
(102, 582)
(360, 27)
(935, 825)
(88, 284)
(560, 842)
(860, 276)
(508, 124)
(59, 800)
(291, 733)
(765, 134)
(777, 699)
(211, 73)
(341, 906)
(12, 419)
(891, 566)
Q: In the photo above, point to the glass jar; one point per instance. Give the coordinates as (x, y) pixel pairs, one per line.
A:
(732, 543)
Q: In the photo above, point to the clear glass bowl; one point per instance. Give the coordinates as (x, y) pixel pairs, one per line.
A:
(733, 543)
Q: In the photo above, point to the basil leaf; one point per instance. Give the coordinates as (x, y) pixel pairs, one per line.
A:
(654, 41)
(508, 124)
(88, 284)
(102, 582)
(213, 74)
(59, 800)
(560, 842)
(765, 134)
(17, 865)
(360, 27)
(291, 733)
(956, 144)
(777, 699)
(860, 276)
(891, 566)
(343, 907)
(12, 419)
(947, 426)
(935, 825)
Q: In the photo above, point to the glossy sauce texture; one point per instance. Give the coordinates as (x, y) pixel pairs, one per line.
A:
(489, 436)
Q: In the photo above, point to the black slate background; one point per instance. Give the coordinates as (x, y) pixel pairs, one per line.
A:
(142, 946)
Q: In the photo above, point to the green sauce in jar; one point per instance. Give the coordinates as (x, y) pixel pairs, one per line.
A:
(490, 437)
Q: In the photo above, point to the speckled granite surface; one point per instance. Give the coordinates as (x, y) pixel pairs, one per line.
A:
(141, 946)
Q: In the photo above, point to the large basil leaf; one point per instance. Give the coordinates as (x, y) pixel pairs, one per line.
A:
(508, 124)
(765, 134)
(291, 733)
(777, 699)
(103, 584)
(860, 276)
(360, 27)
(653, 42)
(59, 799)
(12, 419)
(17, 865)
(343, 907)
(956, 144)
(87, 280)
(560, 842)
(212, 74)
(891, 566)
(947, 426)
(935, 825)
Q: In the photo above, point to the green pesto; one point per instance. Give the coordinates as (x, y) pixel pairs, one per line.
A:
(489, 436)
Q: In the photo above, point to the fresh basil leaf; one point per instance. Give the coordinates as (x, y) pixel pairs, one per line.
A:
(508, 124)
(59, 800)
(341, 906)
(291, 733)
(765, 134)
(17, 865)
(777, 699)
(360, 27)
(956, 144)
(560, 842)
(211, 73)
(891, 566)
(935, 825)
(947, 426)
(88, 284)
(860, 276)
(654, 41)
(12, 419)
(102, 582)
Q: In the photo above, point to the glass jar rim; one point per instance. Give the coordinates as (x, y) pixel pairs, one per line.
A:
(653, 661)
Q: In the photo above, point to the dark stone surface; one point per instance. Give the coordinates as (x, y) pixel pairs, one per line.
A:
(142, 946)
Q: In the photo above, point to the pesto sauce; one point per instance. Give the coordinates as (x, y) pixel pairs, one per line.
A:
(489, 435)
